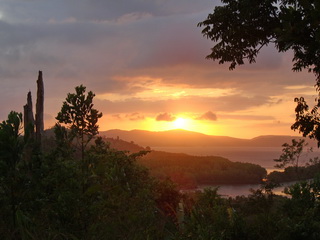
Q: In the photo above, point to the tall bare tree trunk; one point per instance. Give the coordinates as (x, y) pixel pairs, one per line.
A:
(39, 109)
(28, 117)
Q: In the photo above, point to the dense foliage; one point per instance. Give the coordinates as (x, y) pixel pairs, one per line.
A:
(61, 194)
(48, 195)
(259, 216)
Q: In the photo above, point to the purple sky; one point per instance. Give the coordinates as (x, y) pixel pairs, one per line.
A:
(143, 59)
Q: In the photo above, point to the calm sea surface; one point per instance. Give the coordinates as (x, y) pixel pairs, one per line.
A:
(262, 156)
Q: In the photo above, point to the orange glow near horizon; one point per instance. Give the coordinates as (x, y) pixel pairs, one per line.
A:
(232, 125)
(190, 115)
(150, 124)
(229, 127)
(180, 123)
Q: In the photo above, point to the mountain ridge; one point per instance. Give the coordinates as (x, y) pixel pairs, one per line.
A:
(184, 138)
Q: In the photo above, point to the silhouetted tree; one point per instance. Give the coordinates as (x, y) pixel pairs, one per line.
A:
(78, 114)
(291, 154)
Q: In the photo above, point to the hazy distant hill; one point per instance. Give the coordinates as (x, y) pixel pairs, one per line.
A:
(183, 138)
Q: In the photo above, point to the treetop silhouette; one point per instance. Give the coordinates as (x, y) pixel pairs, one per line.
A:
(240, 28)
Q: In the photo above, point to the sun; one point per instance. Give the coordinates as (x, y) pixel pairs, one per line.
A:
(180, 123)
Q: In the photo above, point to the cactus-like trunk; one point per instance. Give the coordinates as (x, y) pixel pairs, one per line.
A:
(39, 109)
(28, 117)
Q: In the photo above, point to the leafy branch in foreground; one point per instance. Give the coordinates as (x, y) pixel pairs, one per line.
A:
(240, 28)
(307, 122)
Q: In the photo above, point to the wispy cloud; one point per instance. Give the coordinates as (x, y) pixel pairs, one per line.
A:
(208, 116)
(135, 116)
(165, 117)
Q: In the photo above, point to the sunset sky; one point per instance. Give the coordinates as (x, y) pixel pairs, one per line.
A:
(145, 60)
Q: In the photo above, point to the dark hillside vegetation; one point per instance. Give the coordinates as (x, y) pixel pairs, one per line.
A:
(295, 174)
(190, 171)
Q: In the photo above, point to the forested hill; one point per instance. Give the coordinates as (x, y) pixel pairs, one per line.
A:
(183, 138)
(190, 171)
(122, 145)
